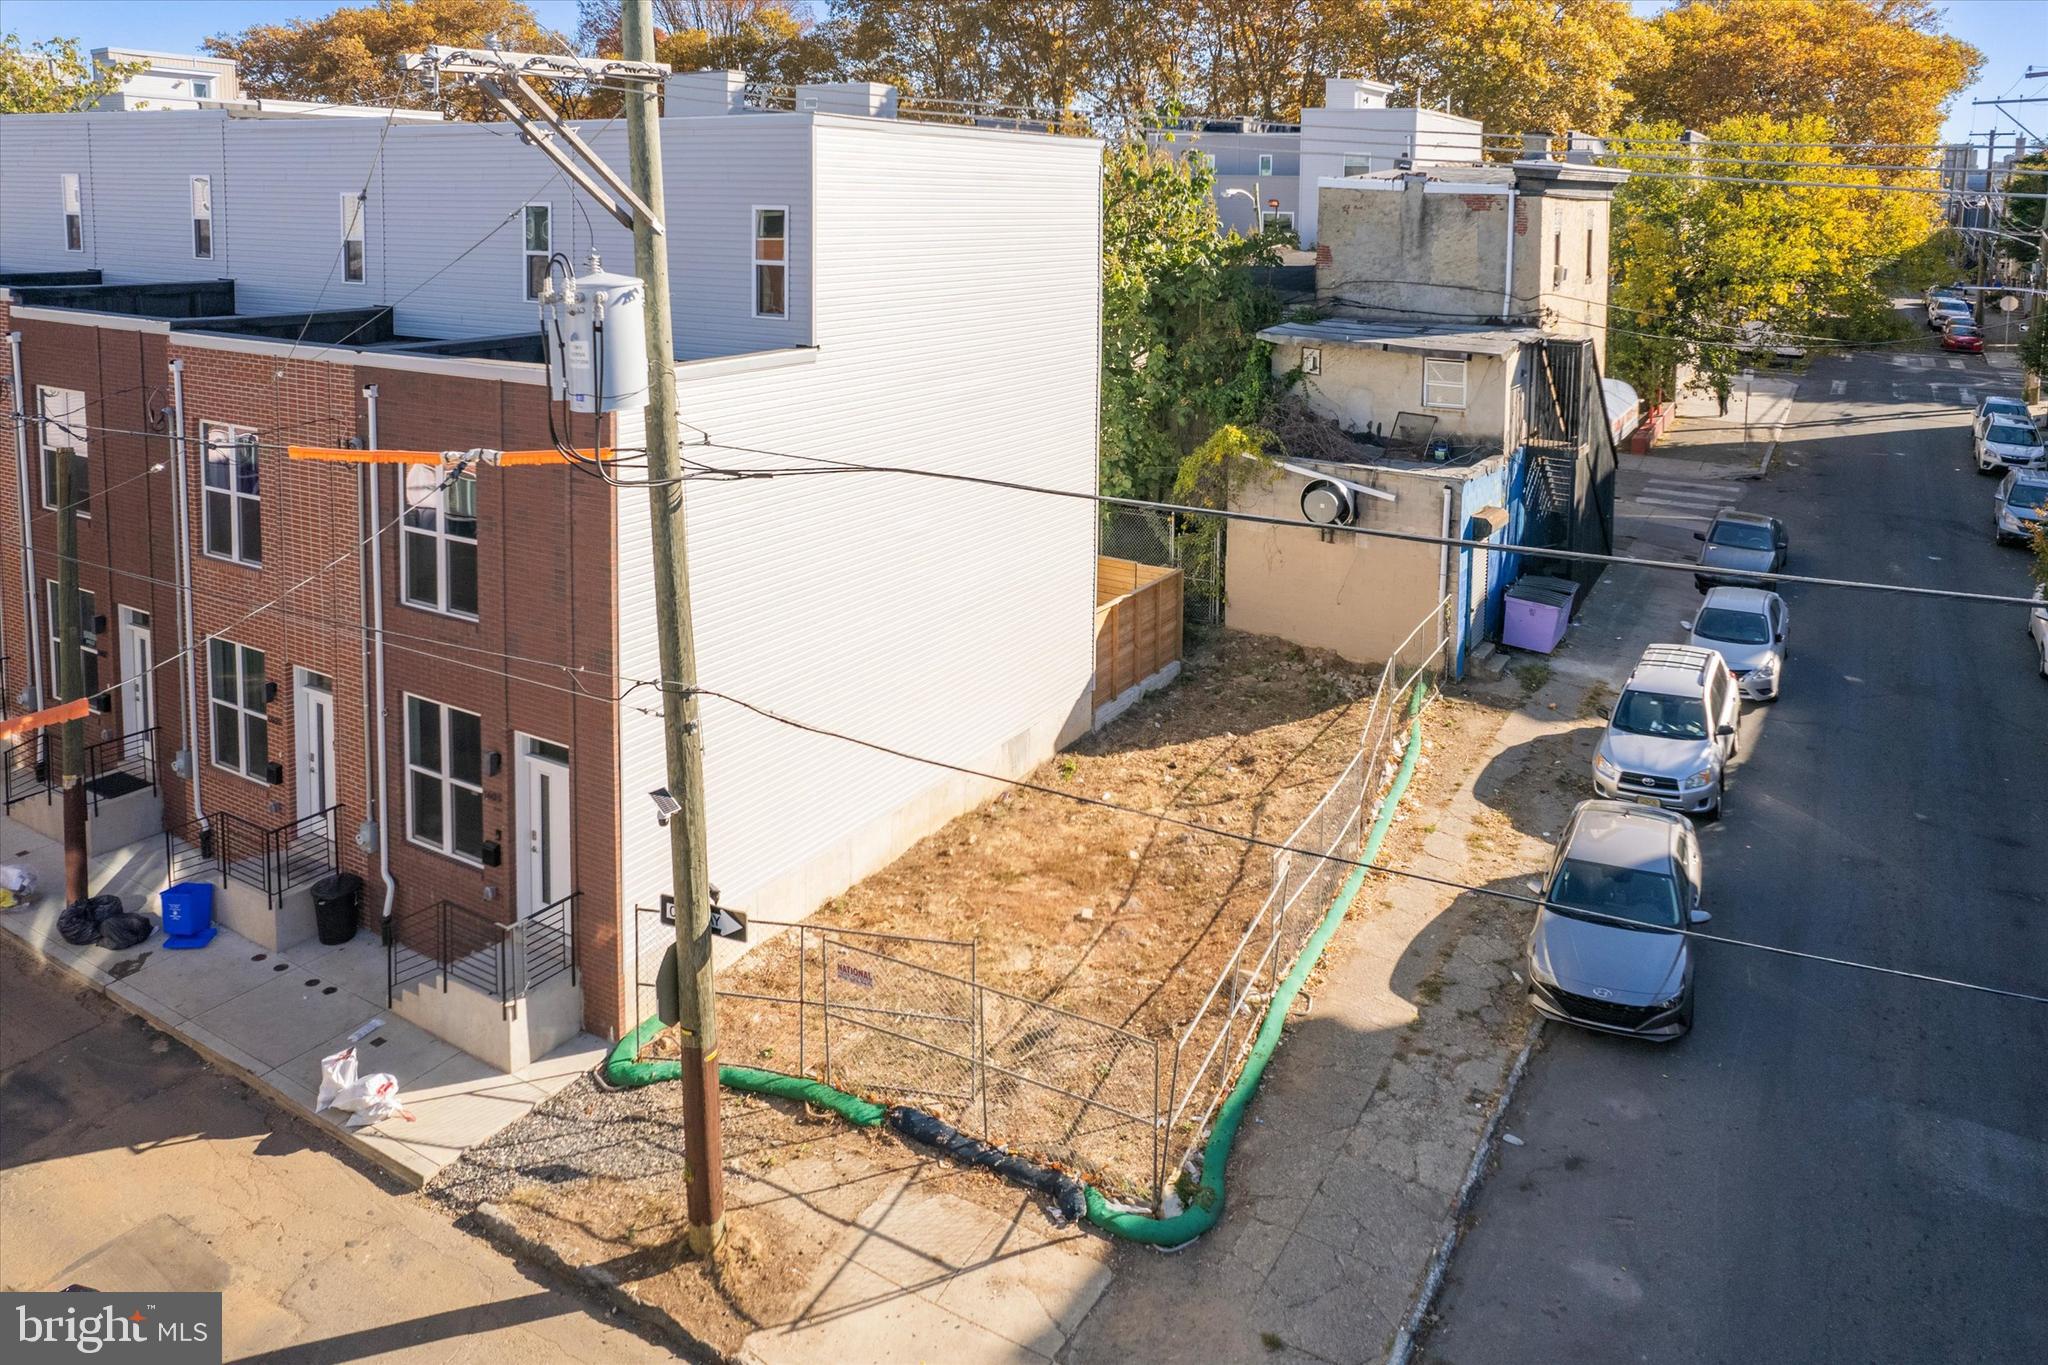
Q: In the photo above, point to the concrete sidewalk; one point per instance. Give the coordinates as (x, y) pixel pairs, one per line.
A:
(1744, 437)
(271, 1017)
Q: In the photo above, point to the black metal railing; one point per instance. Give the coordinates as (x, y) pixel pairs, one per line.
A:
(6, 691)
(276, 859)
(120, 766)
(27, 770)
(191, 852)
(449, 942)
(546, 942)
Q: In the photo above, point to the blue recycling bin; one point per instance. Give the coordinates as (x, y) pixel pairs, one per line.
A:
(188, 914)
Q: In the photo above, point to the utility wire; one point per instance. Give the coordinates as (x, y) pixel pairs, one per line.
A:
(1281, 846)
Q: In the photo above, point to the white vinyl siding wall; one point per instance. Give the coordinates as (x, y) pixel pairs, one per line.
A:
(943, 618)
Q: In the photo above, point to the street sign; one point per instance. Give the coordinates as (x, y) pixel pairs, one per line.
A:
(728, 923)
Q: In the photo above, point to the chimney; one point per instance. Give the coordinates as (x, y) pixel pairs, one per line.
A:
(1535, 146)
(1583, 148)
(695, 94)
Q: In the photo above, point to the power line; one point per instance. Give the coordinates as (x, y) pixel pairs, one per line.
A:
(1282, 846)
(1376, 533)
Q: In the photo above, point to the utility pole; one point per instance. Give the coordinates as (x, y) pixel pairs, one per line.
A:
(1990, 197)
(697, 997)
(70, 676)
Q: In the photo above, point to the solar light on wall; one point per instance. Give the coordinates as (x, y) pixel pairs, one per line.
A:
(665, 806)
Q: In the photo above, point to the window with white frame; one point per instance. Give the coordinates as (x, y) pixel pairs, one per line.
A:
(537, 244)
(444, 768)
(237, 689)
(202, 218)
(74, 213)
(354, 258)
(1265, 163)
(88, 639)
(1275, 218)
(1357, 165)
(438, 542)
(61, 434)
(1443, 384)
(231, 511)
(771, 263)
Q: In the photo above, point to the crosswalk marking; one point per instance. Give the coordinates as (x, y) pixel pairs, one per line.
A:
(1838, 387)
(1955, 363)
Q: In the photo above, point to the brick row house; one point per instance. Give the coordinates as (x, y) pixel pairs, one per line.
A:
(442, 685)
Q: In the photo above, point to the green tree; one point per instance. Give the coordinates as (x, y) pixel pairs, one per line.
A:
(1700, 267)
(1180, 313)
(353, 54)
(53, 77)
(2023, 216)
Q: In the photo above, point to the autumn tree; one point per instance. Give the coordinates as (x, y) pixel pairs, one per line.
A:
(354, 54)
(1180, 314)
(2023, 216)
(53, 77)
(1702, 267)
(773, 42)
(1874, 70)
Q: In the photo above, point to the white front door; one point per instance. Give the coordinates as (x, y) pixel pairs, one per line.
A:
(545, 855)
(314, 723)
(138, 680)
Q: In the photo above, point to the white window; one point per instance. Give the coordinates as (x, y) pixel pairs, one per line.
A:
(1357, 165)
(444, 767)
(202, 90)
(88, 639)
(1311, 360)
(353, 262)
(74, 214)
(61, 433)
(1443, 384)
(1265, 163)
(231, 512)
(202, 218)
(771, 263)
(1274, 218)
(438, 542)
(241, 720)
(537, 244)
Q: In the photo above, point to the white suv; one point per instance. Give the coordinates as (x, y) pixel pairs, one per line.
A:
(1671, 733)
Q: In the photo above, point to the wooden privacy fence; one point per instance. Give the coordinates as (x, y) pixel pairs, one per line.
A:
(1137, 624)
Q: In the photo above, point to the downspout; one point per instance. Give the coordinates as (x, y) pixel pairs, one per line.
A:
(28, 544)
(377, 656)
(188, 643)
(1507, 282)
(1443, 579)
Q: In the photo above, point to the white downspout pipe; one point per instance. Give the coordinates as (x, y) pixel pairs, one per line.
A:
(28, 544)
(376, 548)
(1507, 282)
(188, 642)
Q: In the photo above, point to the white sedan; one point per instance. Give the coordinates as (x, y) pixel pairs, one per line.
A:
(1746, 627)
(2037, 627)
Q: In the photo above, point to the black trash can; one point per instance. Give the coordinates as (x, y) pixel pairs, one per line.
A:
(337, 902)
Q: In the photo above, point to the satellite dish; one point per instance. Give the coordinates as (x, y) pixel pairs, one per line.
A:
(1327, 503)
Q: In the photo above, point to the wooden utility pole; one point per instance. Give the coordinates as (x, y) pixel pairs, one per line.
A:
(70, 675)
(698, 1001)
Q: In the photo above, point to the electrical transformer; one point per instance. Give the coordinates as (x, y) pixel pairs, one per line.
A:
(596, 330)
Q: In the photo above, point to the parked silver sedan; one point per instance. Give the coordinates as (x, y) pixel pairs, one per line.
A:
(1746, 627)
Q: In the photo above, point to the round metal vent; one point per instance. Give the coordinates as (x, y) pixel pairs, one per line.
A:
(1327, 503)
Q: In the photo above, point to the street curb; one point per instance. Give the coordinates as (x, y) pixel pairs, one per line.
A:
(495, 1228)
(1454, 1222)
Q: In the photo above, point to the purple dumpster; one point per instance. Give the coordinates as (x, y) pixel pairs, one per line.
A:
(1538, 610)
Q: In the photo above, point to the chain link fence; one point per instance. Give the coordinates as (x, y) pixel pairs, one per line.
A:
(1190, 542)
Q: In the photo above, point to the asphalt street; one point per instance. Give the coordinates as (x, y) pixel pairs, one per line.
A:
(1836, 1165)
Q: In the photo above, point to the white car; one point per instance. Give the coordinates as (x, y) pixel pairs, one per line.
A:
(2005, 445)
(1746, 627)
(1943, 311)
(2020, 505)
(2005, 411)
(2037, 626)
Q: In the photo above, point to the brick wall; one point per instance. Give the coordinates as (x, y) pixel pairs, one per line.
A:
(545, 596)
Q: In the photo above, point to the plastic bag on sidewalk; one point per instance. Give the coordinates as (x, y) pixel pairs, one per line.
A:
(125, 930)
(82, 922)
(20, 880)
(366, 1099)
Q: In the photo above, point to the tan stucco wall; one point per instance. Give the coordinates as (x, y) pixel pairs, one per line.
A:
(1356, 596)
(1557, 228)
(1363, 389)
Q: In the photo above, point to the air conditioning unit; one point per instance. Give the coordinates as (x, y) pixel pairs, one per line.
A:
(1558, 275)
(1328, 503)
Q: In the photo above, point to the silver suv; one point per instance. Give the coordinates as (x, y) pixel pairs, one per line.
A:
(1602, 954)
(1671, 733)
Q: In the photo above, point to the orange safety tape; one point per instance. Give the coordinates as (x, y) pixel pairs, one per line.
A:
(76, 709)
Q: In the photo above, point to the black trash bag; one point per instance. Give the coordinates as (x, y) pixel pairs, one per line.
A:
(125, 930)
(81, 920)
